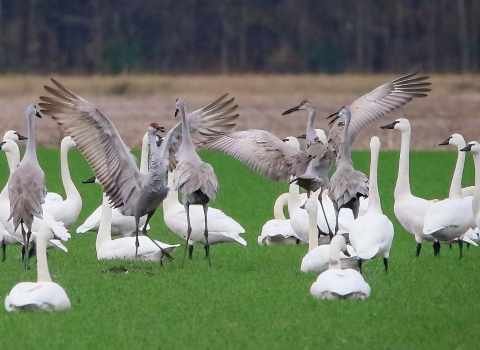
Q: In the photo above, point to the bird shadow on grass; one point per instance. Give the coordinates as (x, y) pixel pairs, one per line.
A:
(117, 270)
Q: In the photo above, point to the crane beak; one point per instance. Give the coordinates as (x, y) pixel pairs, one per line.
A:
(467, 148)
(390, 126)
(303, 136)
(291, 110)
(444, 143)
(90, 180)
(334, 119)
(176, 112)
(160, 128)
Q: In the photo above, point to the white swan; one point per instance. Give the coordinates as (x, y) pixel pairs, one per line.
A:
(409, 209)
(124, 248)
(278, 230)
(121, 225)
(43, 294)
(69, 209)
(317, 258)
(336, 283)
(221, 227)
(372, 234)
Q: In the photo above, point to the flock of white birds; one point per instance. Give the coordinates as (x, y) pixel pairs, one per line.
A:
(340, 218)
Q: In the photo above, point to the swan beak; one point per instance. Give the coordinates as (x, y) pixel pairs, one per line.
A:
(390, 126)
(303, 205)
(444, 143)
(467, 148)
(346, 253)
(1, 144)
(291, 110)
(90, 180)
(176, 112)
(303, 136)
(37, 114)
(21, 137)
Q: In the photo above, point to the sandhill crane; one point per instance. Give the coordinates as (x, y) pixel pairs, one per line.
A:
(195, 179)
(114, 166)
(269, 156)
(26, 186)
(347, 184)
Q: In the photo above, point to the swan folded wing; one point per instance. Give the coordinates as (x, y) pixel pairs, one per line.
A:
(206, 124)
(98, 140)
(189, 180)
(384, 99)
(263, 152)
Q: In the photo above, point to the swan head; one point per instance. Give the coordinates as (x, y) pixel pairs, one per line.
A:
(92, 180)
(472, 146)
(32, 111)
(13, 135)
(68, 142)
(304, 105)
(455, 140)
(292, 141)
(401, 124)
(311, 205)
(339, 243)
(374, 143)
(8, 146)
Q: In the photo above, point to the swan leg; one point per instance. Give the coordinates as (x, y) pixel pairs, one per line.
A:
(207, 246)
(189, 229)
(4, 249)
(450, 246)
(360, 263)
(144, 232)
(385, 263)
(330, 233)
(419, 248)
(436, 248)
(468, 246)
(190, 251)
(460, 245)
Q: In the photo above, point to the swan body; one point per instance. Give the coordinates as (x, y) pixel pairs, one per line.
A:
(372, 234)
(278, 230)
(221, 227)
(69, 209)
(409, 209)
(336, 283)
(124, 248)
(43, 294)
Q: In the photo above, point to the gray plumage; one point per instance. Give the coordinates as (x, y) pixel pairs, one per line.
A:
(193, 178)
(115, 167)
(26, 186)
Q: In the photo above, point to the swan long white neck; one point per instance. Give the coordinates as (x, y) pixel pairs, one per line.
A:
(13, 159)
(456, 185)
(476, 193)
(293, 198)
(144, 155)
(403, 179)
(71, 191)
(172, 197)
(374, 204)
(43, 275)
(312, 223)
(278, 207)
(104, 230)
(334, 255)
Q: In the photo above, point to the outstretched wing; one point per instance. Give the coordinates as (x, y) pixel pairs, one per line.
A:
(206, 124)
(98, 139)
(263, 152)
(384, 99)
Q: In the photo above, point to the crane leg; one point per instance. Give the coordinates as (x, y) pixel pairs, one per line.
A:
(330, 233)
(189, 229)
(336, 221)
(137, 243)
(144, 231)
(207, 246)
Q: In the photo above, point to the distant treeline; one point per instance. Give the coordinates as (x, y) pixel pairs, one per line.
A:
(238, 36)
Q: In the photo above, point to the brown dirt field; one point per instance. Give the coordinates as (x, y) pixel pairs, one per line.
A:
(133, 102)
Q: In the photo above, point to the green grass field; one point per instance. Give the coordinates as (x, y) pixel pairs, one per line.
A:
(254, 296)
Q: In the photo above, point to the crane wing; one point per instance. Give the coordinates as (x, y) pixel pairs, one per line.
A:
(263, 152)
(206, 124)
(98, 140)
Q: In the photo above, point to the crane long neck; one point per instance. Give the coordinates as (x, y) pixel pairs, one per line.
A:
(374, 204)
(31, 152)
(104, 230)
(476, 193)
(311, 134)
(43, 275)
(403, 179)
(281, 201)
(70, 189)
(144, 155)
(334, 256)
(345, 151)
(186, 137)
(456, 185)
